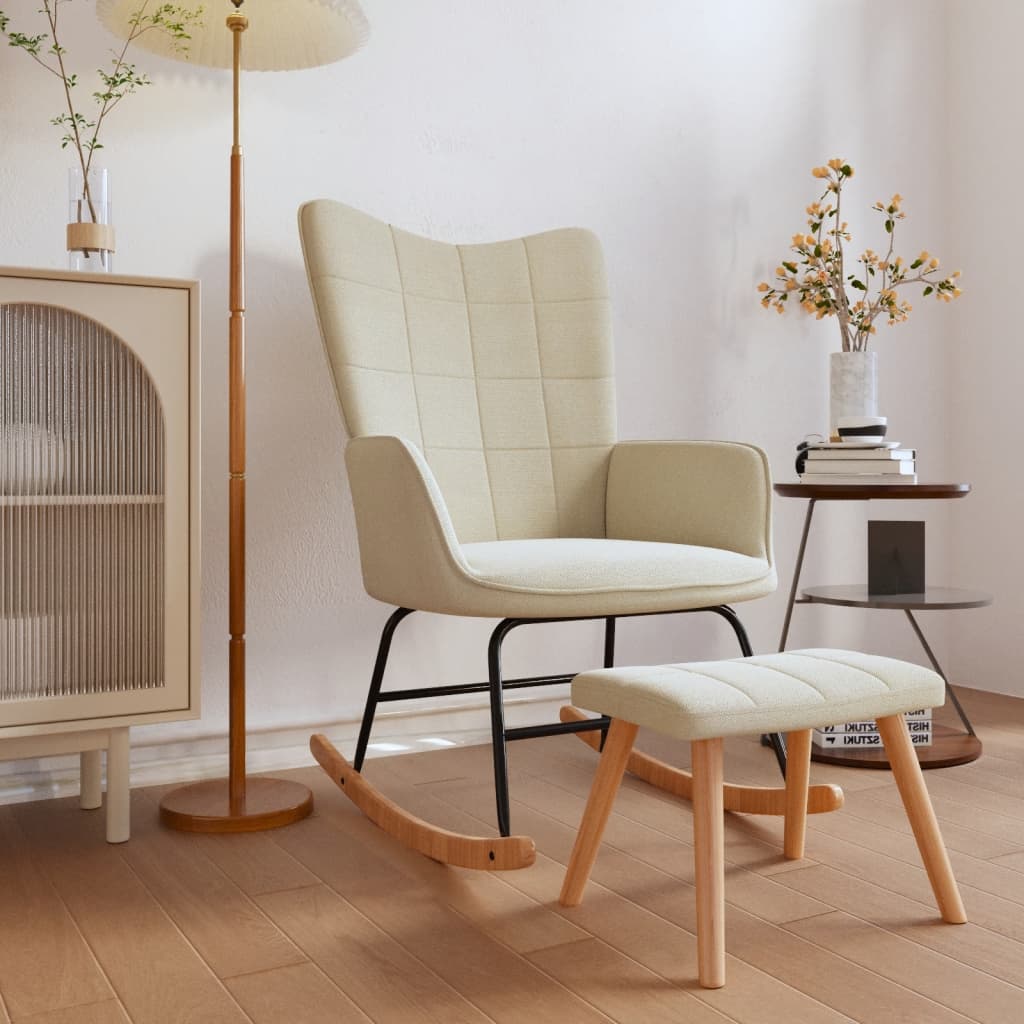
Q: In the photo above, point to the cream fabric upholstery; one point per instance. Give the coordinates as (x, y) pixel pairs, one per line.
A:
(477, 384)
(769, 693)
(411, 556)
(494, 360)
(710, 493)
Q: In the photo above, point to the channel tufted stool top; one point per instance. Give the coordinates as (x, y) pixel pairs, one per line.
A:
(767, 693)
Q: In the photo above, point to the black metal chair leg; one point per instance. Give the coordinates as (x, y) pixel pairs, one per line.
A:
(609, 661)
(383, 650)
(775, 740)
(498, 752)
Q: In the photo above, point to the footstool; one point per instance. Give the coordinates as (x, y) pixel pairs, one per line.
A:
(792, 693)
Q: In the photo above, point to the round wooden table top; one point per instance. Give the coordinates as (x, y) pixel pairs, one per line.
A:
(865, 492)
(857, 595)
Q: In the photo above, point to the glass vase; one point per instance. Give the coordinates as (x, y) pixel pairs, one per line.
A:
(90, 233)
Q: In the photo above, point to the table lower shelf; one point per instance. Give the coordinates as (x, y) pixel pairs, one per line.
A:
(948, 747)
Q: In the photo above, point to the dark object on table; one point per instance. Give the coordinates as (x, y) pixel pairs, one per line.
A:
(801, 450)
(895, 557)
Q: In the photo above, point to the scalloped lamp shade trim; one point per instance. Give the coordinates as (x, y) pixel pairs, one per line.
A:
(283, 35)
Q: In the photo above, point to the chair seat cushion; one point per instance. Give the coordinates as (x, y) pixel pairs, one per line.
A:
(768, 693)
(594, 576)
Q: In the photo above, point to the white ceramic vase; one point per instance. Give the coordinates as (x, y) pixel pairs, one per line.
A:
(853, 386)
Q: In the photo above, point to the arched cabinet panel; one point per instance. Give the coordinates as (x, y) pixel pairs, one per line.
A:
(99, 523)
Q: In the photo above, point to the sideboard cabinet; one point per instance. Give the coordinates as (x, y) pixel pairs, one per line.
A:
(99, 516)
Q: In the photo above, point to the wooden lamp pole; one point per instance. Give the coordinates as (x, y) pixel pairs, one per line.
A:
(290, 34)
(244, 804)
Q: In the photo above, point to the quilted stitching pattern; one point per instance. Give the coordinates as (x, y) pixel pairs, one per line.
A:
(769, 693)
(495, 360)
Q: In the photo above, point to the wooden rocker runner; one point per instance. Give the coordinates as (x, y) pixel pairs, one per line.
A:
(477, 386)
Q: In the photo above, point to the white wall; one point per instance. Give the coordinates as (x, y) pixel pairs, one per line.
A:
(986, 88)
(682, 132)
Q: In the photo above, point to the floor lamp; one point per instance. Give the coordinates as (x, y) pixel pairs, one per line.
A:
(284, 35)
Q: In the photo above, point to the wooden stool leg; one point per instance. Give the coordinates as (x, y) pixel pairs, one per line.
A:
(798, 773)
(909, 779)
(610, 769)
(709, 860)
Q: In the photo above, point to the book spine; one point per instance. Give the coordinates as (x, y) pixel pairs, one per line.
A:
(863, 454)
(862, 741)
(862, 478)
(912, 718)
(896, 467)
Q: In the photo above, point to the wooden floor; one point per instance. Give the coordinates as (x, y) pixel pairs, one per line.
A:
(329, 921)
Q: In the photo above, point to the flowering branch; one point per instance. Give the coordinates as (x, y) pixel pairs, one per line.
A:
(818, 279)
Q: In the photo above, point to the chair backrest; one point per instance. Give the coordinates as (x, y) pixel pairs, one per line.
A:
(494, 359)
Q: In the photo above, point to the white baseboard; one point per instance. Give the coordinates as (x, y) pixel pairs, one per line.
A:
(395, 732)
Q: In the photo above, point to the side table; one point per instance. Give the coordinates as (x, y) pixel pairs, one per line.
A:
(948, 747)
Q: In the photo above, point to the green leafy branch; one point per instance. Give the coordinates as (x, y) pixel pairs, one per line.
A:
(123, 78)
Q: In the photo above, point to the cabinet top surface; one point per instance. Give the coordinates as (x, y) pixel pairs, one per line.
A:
(864, 492)
(48, 274)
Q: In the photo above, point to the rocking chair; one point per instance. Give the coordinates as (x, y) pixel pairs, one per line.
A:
(477, 386)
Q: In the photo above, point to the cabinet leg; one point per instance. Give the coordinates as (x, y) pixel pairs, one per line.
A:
(118, 785)
(90, 780)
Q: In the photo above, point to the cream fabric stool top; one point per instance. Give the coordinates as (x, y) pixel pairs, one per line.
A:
(791, 692)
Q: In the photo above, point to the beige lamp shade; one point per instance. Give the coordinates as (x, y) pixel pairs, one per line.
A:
(283, 35)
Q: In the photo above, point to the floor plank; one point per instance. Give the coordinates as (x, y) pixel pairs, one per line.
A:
(271, 997)
(849, 934)
(479, 896)
(381, 977)
(255, 863)
(663, 947)
(490, 975)
(817, 973)
(621, 987)
(157, 974)
(45, 964)
(107, 1012)
(226, 928)
(954, 985)
(994, 954)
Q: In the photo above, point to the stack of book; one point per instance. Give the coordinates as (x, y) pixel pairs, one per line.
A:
(864, 735)
(841, 462)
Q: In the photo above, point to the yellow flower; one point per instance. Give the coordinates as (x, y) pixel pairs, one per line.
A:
(835, 163)
(924, 255)
(765, 302)
(956, 273)
(820, 172)
(810, 240)
(957, 293)
(798, 240)
(763, 286)
(780, 271)
(933, 263)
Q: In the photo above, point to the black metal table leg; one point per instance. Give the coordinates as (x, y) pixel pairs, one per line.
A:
(938, 668)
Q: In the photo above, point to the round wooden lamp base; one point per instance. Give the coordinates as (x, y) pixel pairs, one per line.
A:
(204, 806)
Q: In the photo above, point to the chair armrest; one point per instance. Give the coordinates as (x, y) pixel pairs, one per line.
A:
(715, 494)
(407, 544)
